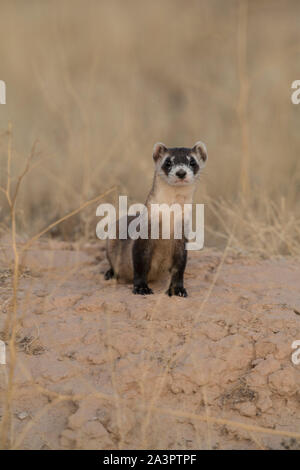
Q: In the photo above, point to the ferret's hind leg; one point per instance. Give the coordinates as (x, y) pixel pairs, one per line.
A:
(109, 274)
(110, 244)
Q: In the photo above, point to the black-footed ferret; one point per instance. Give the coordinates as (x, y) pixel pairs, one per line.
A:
(176, 173)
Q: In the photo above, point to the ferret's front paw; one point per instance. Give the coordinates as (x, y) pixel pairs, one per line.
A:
(142, 290)
(180, 291)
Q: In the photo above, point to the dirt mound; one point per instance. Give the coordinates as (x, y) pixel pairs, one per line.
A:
(100, 368)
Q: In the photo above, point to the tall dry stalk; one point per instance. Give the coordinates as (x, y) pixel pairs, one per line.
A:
(10, 330)
(242, 105)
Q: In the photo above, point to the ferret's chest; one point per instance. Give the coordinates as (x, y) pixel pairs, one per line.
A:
(170, 195)
(163, 249)
(166, 210)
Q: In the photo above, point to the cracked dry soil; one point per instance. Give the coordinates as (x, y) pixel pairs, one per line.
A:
(100, 368)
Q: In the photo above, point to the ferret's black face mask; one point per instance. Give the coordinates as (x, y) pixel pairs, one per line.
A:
(179, 166)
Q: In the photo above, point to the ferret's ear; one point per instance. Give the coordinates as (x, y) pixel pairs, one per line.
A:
(201, 153)
(159, 150)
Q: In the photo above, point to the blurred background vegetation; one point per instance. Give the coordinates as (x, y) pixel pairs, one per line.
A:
(98, 82)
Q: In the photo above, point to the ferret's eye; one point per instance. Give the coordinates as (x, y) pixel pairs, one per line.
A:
(168, 163)
(193, 162)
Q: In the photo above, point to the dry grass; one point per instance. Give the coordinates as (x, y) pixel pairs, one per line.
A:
(108, 79)
(105, 81)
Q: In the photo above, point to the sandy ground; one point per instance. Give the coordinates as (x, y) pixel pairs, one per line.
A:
(100, 368)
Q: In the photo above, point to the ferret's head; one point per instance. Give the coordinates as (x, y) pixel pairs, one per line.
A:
(179, 166)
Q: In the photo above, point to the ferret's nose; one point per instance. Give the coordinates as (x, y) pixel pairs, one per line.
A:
(181, 174)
